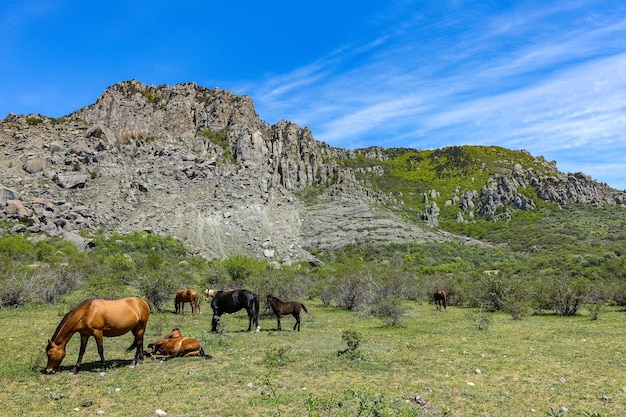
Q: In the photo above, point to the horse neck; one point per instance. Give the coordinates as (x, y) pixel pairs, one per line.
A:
(66, 329)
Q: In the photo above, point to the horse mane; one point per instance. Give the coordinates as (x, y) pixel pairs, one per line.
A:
(67, 316)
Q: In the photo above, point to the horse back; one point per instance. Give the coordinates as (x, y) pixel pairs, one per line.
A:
(233, 301)
(116, 317)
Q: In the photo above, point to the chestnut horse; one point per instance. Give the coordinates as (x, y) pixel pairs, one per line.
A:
(175, 345)
(282, 308)
(441, 300)
(96, 317)
(231, 301)
(187, 296)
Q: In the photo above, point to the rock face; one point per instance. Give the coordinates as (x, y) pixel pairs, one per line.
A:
(199, 164)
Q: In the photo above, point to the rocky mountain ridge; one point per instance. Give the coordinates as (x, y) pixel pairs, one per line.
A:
(200, 165)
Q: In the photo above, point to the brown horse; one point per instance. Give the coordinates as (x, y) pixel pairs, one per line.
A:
(282, 308)
(441, 300)
(187, 296)
(175, 345)
(98, 318)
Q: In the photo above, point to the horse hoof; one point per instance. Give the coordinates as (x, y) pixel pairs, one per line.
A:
(258, 328)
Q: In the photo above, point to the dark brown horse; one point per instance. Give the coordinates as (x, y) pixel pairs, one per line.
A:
(187, 296)
(233, 301)
(99, 318)
(175, 345)
(282, 308)
(441, 300)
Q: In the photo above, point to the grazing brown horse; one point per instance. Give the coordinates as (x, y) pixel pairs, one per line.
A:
(282, 308)
(175, 345)
(187, 296)
(441, 300)
(99, 318)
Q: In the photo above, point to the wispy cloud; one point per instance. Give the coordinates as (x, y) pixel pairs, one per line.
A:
(510, 78)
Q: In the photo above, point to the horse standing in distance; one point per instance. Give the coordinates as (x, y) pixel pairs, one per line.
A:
(99, 318)
(282, 308)
(441, 300)
(187, 296)
(211, 293)
(231, 301)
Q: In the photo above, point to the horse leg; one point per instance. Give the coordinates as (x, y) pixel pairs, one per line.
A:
(250, 319)
(297, 325)
(81, 352)
(100, 344)
(278, 327)
(216, 319)
(253, 317)
(139, 343)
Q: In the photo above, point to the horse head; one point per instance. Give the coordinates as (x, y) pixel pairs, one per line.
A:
(209, 293)
(56, 353)
(174, 333)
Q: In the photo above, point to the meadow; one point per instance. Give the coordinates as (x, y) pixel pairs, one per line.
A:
(460, 363)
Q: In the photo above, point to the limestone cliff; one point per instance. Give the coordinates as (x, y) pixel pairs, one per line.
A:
(200, 165)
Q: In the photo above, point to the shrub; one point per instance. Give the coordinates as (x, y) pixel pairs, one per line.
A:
(157, 289)
(480, 320)
(389, 310)
(567, 295)
(353, 339)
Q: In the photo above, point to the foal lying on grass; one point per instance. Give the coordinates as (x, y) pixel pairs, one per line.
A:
(175, 345)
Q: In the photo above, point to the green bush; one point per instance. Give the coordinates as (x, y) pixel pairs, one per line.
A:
(568, 295)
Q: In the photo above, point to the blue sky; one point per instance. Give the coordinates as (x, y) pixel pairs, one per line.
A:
(545, 76)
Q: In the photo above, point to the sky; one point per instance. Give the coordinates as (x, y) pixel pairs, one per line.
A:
(545, 76)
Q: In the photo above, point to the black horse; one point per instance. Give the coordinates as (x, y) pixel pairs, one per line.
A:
(282, 308)
(233, 301)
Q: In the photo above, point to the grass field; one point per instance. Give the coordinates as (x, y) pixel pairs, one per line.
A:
(529, 367)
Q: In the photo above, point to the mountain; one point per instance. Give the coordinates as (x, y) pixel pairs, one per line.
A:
(198, 164)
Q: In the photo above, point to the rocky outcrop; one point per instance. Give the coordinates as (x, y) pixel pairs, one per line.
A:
(199, 165)
(190, 162)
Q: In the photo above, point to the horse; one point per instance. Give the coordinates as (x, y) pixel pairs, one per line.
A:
(282, 308)
(187, 296)
(174, 345)
(441, 300)
(96, 317)
(231, 301)
(211, 293)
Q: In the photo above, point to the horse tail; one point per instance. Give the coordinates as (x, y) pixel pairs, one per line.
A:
(133, 346)
(257, 303)
(304, 308)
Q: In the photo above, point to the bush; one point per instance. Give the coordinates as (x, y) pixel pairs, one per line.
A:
(157, 289)
(389, 310)
(567, 296)
(353, 339)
